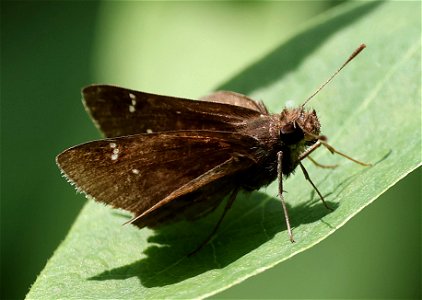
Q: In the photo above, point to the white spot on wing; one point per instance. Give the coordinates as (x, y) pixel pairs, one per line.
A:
(135, 171)
(178, 112)
(113, 145)
(132, 106)
(149, 130)
(116, 151)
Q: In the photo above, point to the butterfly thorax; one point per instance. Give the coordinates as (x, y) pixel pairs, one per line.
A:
(290, 132)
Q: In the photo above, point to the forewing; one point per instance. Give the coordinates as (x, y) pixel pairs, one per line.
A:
(136, 172)
(118, 111)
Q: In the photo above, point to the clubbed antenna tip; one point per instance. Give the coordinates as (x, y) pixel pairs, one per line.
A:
(351, 57)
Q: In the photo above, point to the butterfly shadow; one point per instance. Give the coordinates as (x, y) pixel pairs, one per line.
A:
(254, 219)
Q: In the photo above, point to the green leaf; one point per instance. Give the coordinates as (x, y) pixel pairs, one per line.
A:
(371, 111)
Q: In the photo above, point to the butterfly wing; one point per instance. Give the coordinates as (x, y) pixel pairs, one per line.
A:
(118, 111)
(237, 99)
(137, 172)
(195, 199)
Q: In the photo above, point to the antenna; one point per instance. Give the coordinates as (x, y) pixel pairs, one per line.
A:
(351, 57)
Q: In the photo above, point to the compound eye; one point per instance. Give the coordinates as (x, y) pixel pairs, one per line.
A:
(291, 134)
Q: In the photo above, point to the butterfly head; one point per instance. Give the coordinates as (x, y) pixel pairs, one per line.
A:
(299, 125)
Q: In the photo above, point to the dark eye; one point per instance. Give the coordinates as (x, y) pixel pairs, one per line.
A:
(290, 134)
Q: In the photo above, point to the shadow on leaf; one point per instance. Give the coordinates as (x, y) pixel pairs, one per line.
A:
(277, 64)
(254, 220)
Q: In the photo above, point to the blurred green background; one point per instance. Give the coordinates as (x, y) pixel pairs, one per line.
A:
(49, 50)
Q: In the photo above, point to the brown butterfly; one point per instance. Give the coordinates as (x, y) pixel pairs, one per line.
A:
(166, 158)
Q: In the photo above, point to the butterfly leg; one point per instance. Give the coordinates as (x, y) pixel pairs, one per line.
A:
(333, 150)
(321, 165)
(322, 142)
(280, 194)
(306, 174)
(226, 208)
(310, 150)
